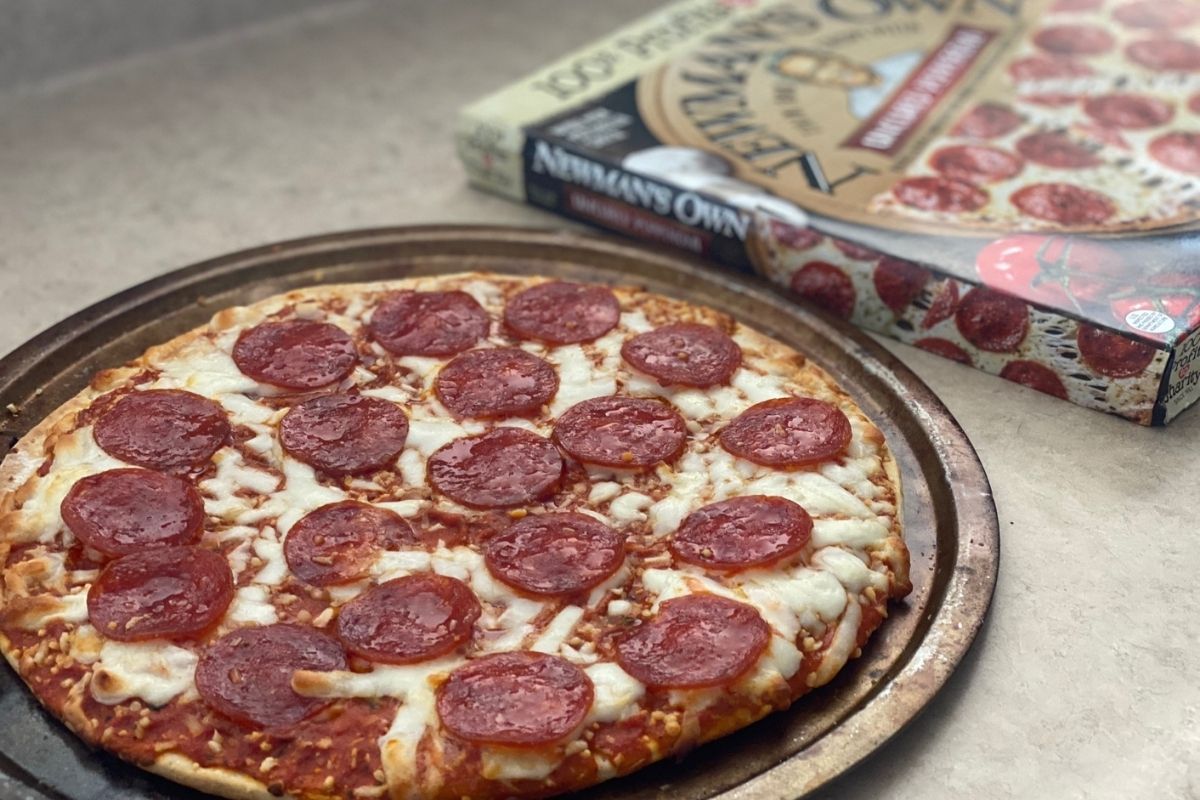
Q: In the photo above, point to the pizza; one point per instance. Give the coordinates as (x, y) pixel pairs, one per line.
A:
(1096, 128)
(455, 536)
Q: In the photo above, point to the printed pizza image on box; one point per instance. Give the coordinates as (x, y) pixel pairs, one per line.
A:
(1012, 185)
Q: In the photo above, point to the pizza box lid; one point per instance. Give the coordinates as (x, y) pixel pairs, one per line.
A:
(1015, 185)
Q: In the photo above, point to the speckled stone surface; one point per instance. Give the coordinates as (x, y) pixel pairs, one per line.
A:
(1085, 683)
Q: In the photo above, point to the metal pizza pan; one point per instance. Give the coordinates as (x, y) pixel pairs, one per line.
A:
(949, 517)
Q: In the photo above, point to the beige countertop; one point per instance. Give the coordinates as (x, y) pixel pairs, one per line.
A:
(1085, 682)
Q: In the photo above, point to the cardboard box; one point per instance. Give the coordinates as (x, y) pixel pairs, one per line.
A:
(1011, 184)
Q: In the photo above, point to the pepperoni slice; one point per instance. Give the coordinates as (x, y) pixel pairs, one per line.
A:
(695, 641)
(247, 674)
(1129, 111)
(935, 193)
(1168, 55)
(826, 286)
(555, 554)
(743, 532)
(1035, 376)
(943, 305)
(992, 321)
(1074, 40)
(563, 313)
(295, 354)
(1112, 354)
(1162, 15)
(1063, 203)
(627, 432)
(975, 163)
(414, 618)
(788, 432)
(497, 383)
(944, 348)
(898, 282)
(855, 251)
(1054, 149)
(502, 468)
(685, 353)
(160, 593)
(163, 429)
(337, 543)
(1042, 68)
(520, 699)
(988, 121)
(123, 511)
(795, 238)
(345, 434)
(428, 323)
(1178, 151)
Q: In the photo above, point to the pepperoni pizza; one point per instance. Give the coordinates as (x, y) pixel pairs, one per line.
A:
(453, 536)
(1097, 128)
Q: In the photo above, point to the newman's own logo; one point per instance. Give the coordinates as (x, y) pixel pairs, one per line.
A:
(688, 207)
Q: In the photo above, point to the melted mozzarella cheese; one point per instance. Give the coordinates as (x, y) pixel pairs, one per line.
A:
(801, 598)
(204, 369)
(556, 633)
(427, 435)
(153, 671)
(579, 380)
(274, 570)
(616, 693)
(251, 605)
(510, 764)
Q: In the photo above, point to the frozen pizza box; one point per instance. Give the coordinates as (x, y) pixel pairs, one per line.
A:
(1012, 184)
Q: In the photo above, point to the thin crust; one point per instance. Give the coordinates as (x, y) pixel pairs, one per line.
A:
(38, 587)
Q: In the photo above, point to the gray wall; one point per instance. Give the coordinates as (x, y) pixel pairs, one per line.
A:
(43, 39)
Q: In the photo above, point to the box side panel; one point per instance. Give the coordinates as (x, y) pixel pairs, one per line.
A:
(1183, 385)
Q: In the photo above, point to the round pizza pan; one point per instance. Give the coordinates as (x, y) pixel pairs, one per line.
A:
(949, 517)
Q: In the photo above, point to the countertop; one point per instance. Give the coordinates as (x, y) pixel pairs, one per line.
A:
(1084, 681)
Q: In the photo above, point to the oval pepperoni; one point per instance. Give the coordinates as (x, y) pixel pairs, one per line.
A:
(855, 251)
(1129, 111)
(428, 323)
(502, 382)
(337, 543)
(826, 286)
(1168, 55)
(520, 699)
(502, 468)
(975, 163)
(124, 511)
(795, 238)
(1157, 14)
(247, 674)
(295, 354)
(1074, 40)
(992, 321)
(1063, 204)
(695, 641)
(627, 432)
(1178, 151)
(555, 554)
(685, 353)
(1052, 149)
(933, 193)
(1042, 68)
(160, 593)
(943, 305)
(1111, 354)
(898, 282)
(988, 121)
(944, 348)
(344, 434)
(563, 313)
(1035, 376)
(414, 618)
(743, 532)
(788, 432)
(162, 429)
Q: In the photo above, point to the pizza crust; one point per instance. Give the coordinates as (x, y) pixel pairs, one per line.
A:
(18, 481)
